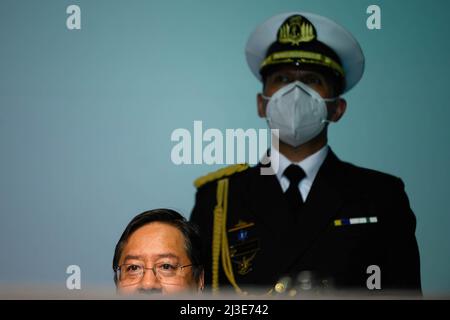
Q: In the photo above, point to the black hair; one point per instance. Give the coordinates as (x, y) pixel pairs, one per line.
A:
(170, 217)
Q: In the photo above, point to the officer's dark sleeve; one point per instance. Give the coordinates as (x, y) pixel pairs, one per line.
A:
(402, 268)
(202, 215)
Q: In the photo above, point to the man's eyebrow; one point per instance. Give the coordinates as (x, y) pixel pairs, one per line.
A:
(167, 255)
(133, 257)
(158, 256)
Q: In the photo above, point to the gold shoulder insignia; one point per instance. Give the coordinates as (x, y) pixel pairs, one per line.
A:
(224, 172)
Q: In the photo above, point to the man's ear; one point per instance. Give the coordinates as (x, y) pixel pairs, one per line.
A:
(201, 282)
(337, 110)
(262, 105)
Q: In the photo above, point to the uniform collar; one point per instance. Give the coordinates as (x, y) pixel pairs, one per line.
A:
(310, 164)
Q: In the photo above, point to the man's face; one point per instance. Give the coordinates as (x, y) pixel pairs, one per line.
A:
(156, 244)
(286, 74)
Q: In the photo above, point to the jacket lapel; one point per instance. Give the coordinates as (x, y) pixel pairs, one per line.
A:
(268, 203)
(323, 202)
(290, 235)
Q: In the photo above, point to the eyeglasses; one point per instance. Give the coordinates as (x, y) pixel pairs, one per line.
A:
(130, 274)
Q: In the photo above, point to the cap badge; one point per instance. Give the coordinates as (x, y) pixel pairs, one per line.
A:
(296, 30)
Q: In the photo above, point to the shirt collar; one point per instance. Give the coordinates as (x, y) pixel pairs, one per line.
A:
(310, 164)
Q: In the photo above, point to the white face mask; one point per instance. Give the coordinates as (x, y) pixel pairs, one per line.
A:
(298, 112)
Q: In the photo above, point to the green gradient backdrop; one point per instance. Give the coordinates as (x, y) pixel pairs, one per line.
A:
(86, 118)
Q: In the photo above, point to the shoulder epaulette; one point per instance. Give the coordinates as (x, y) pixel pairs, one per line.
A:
(224, 172)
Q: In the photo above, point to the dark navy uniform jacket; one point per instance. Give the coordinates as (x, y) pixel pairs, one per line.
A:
(268, 241)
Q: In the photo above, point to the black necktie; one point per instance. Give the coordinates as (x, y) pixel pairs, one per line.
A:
(295, 174)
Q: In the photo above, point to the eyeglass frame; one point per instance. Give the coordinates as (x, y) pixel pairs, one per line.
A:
(117, 269)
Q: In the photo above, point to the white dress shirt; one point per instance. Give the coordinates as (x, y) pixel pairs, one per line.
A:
(310, 166)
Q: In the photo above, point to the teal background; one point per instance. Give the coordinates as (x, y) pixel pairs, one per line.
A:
(86, 118)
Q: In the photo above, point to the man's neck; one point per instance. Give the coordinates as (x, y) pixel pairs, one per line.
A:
(297, 154)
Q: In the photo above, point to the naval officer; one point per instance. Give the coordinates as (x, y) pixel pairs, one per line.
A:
(316, 214)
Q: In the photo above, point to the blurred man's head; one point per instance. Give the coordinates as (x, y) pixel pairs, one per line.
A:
(305, 63)
(159, 252)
